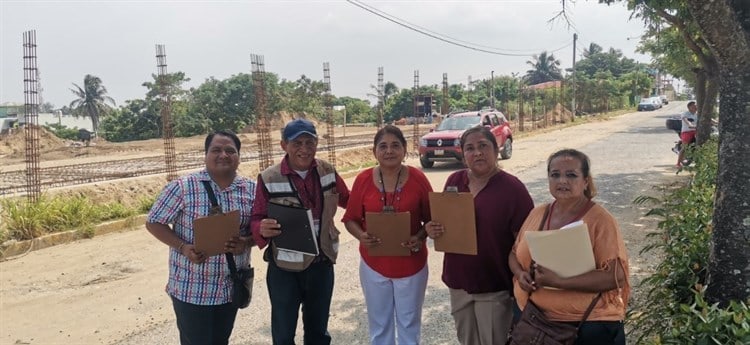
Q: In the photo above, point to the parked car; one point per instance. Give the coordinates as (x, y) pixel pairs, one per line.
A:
(444, 142)
(664, 99)
(657, 101)
(646, 104)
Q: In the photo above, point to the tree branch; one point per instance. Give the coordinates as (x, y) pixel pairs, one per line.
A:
(708, 62)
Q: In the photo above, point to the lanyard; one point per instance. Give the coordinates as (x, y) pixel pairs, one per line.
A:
(394, 197)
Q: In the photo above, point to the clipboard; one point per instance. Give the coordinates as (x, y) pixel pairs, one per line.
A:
(455, 211)
(392, 229)
(297, 229)
(212, 232)
(566, 251)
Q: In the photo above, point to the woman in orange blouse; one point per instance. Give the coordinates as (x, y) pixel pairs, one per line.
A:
(573, 189)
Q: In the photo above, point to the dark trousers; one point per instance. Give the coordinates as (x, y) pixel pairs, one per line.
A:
(601, 333)
(311, 288)
(204, 324)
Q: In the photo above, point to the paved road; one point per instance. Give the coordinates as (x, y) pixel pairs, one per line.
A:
(110, 289)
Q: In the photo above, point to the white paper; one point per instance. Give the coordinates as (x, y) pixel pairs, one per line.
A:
(566, 252)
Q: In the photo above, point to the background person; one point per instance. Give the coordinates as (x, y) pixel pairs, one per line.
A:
(572, 187)
(480, 285)
(394, 286)
(200, 286)
(687, 133)
(296, 279)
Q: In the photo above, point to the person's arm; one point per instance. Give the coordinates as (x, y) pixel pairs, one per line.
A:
(597, 280)
(342, 190)
(523, 277)
(262, 227)
(364, 237)
(166, 235)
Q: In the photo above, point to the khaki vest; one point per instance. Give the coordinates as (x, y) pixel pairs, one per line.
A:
(280, 191)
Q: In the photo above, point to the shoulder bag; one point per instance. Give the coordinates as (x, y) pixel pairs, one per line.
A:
(242, 280)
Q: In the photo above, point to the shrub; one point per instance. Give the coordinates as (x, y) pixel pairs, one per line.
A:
(675, 311)
(62, 131)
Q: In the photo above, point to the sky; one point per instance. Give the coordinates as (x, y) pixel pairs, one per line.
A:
(115, 40)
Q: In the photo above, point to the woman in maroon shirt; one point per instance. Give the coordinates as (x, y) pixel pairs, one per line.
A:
(392, 285)
(481, 285)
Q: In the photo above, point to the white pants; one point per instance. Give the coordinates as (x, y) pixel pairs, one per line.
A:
(388, 297)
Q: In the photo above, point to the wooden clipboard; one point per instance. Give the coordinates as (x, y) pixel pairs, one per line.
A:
(567, 252)
(455, 211)
(212, 232)
(392, 229)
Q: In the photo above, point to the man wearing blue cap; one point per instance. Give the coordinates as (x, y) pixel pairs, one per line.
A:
(295, 278)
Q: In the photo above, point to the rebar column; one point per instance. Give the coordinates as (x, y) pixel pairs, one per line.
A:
(415, 126)
(328, 102)
(31, 115)
(263, 123)
(167, 131)
(381, 98)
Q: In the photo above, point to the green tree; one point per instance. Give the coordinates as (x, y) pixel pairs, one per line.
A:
(724, 27)
(544, 68)
(673, 18)
(136, 120)
(357, 110)
(91, 100)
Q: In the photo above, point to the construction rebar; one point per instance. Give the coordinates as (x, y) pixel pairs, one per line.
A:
(328, 102)
(381, 98)
(31, 113)
(166, 113)
(415, 126)
(262, 120)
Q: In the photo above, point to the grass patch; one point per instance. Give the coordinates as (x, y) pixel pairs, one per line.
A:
(24, 220)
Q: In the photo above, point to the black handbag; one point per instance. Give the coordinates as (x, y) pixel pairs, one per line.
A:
(242, 283)
(242, 279)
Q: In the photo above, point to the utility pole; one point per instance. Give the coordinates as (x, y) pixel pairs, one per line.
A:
(573, 103)
(492, 89)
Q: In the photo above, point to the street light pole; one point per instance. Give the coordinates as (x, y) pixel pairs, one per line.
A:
(573, 102)
(492, 89)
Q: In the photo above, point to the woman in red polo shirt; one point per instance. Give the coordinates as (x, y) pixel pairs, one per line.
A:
(394, 286)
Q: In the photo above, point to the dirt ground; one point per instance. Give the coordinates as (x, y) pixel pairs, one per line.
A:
(109, 289)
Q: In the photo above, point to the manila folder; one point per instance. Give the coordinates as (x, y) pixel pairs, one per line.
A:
(212, 232)
(567, 251)
(455, 211)
(392, 229)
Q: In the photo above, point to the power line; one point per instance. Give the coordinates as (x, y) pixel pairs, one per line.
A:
(435, 35)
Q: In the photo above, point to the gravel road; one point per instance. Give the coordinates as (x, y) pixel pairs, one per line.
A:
(109, 290)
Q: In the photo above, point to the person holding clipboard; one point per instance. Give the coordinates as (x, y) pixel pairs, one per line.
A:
(566, 299)
(295, 278)
(394, 286)
(199, 285)
(480, 285)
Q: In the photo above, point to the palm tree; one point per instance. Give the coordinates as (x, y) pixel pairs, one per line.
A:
(592, 50)
(545, 68)
(92, 100)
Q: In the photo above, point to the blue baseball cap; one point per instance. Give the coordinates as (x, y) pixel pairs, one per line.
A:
(297, 127)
